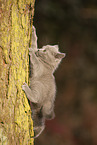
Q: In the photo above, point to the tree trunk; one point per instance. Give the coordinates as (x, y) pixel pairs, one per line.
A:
(16, 126)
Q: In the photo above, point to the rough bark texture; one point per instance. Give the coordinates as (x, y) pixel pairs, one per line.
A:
(16, 126)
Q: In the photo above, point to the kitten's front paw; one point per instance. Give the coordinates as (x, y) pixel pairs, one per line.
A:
(30, 51)
(24, 85)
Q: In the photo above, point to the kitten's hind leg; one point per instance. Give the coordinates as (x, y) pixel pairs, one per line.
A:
(38, 130)
(50, 116)
(31, 94)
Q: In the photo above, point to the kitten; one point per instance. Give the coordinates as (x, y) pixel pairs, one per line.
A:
(42, 90)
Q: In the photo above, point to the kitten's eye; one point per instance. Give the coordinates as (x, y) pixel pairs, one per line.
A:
(44, 50)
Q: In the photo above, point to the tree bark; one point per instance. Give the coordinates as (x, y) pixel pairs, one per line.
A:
(16, 18)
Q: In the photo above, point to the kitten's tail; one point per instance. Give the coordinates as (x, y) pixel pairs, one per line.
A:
(38, 130)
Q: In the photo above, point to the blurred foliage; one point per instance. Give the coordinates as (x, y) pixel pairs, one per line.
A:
(72, 24)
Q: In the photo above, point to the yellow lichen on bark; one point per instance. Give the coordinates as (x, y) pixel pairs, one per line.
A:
(16, 126)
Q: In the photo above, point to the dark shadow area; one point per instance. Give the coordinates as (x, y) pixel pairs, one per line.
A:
(72, 24)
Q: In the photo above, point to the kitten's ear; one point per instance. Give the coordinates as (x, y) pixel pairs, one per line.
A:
(60, 55)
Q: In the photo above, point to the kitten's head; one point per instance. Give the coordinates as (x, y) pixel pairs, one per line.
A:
(50, 55)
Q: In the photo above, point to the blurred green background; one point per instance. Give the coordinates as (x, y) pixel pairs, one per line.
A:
(72, 24)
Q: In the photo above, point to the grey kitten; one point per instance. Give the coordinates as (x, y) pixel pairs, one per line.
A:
(42, 90)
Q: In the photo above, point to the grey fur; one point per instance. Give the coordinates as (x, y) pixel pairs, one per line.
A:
(42, 90)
